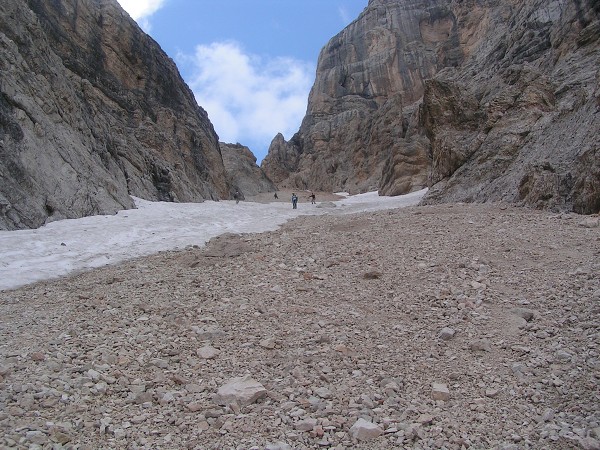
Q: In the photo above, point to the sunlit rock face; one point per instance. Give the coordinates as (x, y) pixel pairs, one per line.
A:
(360, 109)
(92, 112)
(478, 100)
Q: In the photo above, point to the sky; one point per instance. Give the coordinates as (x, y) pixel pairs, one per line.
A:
(250, 63)
(68, 246)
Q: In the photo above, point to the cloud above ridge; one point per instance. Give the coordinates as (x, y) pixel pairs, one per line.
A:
(141, 10)
(248, 95)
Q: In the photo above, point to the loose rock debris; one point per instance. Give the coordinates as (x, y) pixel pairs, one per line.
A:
(479, 331)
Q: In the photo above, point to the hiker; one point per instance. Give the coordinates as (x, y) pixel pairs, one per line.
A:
(294, 201)
(236, 196)
(276, 196)
(312, 198)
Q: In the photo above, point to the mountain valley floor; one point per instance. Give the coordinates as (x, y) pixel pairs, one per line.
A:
(434, 327)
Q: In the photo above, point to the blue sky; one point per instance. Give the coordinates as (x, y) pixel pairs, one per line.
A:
(250, 63)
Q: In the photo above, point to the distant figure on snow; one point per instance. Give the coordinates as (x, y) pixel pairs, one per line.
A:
(276, 196)
(294, 201)
(236, 196)
(312, 198)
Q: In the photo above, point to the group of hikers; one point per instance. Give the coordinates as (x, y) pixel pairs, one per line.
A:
(312, 198)
(295, 199)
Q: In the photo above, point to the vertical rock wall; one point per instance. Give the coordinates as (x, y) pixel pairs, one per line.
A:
(520, 120)
(361, 108)
(92, 111)
(478, 99)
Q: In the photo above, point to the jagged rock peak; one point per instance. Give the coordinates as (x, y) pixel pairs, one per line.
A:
(92, 111)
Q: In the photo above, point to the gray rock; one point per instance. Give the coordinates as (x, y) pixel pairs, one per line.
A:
(524, 313)
(110, 126)
(242, 172)
(306, 424)
(446, 333)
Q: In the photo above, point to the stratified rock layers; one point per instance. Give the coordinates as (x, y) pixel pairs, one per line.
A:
(359, 110)
(479, 101)
(91, 112)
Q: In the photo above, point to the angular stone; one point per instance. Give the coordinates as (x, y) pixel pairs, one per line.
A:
(439, 391)
(364, 430)
(306, 424)
(322, 392)
(268, 343)
(241, 390)
(524, 313)
(491, 392)
(481, 345)
(207, 352)
(446, 333)
(278, 446)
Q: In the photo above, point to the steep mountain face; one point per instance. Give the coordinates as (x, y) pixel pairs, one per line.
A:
(520, 120)
(479, 100)
(91, 112)
(243, 174)
(359, 110)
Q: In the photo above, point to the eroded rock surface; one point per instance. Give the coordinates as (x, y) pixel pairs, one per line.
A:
(479, 101)
(243, 174)
(91, 112)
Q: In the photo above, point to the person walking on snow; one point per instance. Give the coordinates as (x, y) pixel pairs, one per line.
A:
(294, 201)
(312, 198)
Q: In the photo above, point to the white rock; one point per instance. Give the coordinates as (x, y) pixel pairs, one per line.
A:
(440, 391)
(207, 352)
(241, 390)
(364, 430)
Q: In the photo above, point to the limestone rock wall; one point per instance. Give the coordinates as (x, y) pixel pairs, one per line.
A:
(92, 111)
(477, 99)
(520, 120)
(360, 116)
(243, 174)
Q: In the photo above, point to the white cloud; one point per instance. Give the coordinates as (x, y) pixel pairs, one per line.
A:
(249, 98)
(139, 9)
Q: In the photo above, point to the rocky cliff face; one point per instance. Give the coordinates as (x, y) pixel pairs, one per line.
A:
(519, 121)
(91, 112)
(479, 100)
(243, 174)
(359, 110)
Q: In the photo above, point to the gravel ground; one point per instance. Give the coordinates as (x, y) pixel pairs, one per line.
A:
(438, 327)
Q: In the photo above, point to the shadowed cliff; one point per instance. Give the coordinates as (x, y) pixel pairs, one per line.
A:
(91, 112)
